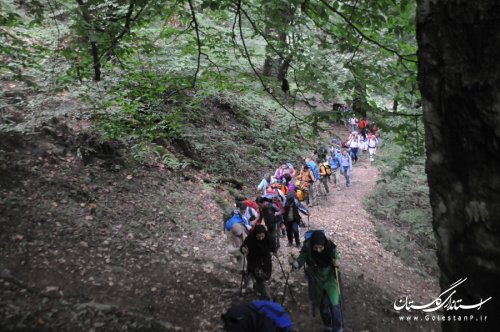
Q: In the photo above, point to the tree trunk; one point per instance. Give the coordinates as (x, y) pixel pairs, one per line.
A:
(96, 61)
(94, 47)
(359, 104)
(459, 77)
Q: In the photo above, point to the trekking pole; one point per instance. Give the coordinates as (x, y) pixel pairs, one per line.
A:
(242, 276)
(286, 282)
(284, 290)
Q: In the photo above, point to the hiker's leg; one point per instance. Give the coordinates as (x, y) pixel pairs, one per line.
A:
(347, 176)
(326, 311)
(296, 235)
(325, 183)
(263, 290)
(289, 233)
(337, 319)
(336, 174)
(312, 192)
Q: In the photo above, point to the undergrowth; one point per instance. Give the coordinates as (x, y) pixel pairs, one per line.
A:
(401, 209)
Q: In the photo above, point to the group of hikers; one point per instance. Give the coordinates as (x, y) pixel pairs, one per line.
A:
(320, 259)
(254, 230)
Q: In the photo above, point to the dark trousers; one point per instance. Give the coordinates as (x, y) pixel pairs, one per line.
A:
(330, 314)
(275, 236)
(292, 231)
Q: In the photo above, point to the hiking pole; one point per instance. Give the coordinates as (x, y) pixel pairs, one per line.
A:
(284, 290)
(286, 282)
(242, 276)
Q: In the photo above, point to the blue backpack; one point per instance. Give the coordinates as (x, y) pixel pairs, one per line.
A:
(307, 235)
(236, 218)
(273, 312)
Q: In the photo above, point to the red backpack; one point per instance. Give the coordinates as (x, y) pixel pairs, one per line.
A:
(254, 206)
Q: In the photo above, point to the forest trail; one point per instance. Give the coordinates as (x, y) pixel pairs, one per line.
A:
(372, 277)
(129, 263)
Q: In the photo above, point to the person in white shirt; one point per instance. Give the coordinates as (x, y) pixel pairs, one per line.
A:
(353, 144)
(372, 146)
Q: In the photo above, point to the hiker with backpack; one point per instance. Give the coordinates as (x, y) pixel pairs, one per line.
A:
(236, 229)
(266, 183)
(346, 167)
(258, 247)
(292, 220)
(257, 316)
(353, 143)
(271, 216)
(284, 169)
(314, 186)
(321, 259)
(306, 180)
(372, 146)
(334, 161)
(363, 126)
(291, 188)
(324, 174)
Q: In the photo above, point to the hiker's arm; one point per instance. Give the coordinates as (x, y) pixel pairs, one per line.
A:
(244, 247)
(301, 260)
(336, 259)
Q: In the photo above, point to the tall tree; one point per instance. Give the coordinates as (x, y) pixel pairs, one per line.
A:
(459, 73)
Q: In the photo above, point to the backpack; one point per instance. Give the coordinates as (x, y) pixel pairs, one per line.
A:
(374, 141)
(300, 195)
(273, 312)
(302, 209)
(328, 168)
(236, 218)
(307, 234)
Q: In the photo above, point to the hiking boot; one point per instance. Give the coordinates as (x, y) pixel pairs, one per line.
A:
(289, 244)
(297, 245)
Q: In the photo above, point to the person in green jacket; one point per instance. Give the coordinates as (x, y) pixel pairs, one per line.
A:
(321, 258)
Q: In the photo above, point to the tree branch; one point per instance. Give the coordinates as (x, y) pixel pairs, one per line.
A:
(359, 32)
(247, 54)
(198, 41)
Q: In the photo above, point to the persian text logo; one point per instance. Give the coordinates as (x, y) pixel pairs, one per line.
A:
(445, 300)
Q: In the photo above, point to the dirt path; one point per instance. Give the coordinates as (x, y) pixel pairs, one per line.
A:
(373, 278)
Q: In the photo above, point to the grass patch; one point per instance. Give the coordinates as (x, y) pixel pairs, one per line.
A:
(400, 201)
